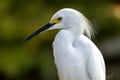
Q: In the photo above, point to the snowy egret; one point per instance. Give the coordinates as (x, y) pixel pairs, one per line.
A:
(76, 56)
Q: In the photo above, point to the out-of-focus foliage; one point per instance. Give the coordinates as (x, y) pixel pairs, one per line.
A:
(34, 60)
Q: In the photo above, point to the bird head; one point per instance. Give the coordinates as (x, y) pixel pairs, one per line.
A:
(66, 18)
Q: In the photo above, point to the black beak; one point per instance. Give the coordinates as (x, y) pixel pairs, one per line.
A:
(39, 31)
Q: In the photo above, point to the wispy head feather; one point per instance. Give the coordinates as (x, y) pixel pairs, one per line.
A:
(88, 29)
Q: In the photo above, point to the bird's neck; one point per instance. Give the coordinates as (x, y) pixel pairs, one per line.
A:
(63, 38)
(66, 37)
(75, 31)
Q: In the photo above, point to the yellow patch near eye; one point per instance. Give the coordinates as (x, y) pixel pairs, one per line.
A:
(56, 20)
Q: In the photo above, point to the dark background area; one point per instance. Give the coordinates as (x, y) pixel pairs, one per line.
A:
(34, 60)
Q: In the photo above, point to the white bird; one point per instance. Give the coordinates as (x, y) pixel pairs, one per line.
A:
(76, 56)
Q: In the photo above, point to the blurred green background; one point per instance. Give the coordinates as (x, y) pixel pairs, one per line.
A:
(34, 60)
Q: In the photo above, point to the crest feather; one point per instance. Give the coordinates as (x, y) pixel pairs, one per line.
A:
(88, 28)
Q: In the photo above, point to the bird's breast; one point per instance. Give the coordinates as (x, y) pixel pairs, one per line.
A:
(69, 60)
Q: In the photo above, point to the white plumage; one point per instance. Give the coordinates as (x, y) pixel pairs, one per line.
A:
(76, 56)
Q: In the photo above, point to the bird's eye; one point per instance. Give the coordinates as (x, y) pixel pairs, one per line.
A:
(60, 18)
